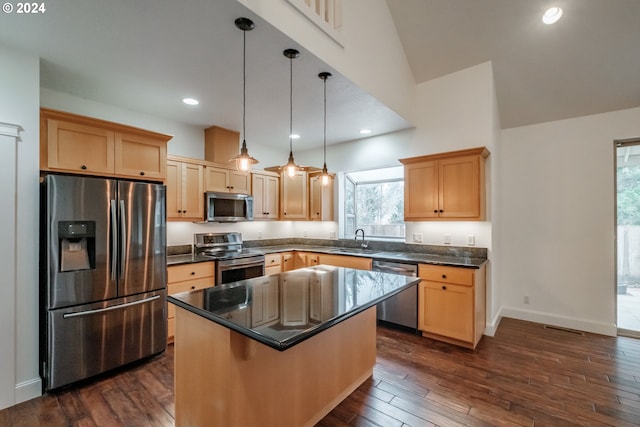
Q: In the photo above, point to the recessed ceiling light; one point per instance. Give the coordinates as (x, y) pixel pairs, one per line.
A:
(295, 136)
(552, 15)
(365, 131)
(190, 101)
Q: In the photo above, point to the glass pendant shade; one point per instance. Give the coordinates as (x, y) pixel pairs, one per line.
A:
(244, 162)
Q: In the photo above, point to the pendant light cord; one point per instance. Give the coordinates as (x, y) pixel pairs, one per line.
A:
(324, 137)
(244, 83)
(290, 104)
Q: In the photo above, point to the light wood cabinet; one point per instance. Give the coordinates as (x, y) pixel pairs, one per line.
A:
(347, 261)
(451, 303)
(265, 302)
(320, 198)
(88, 146)
(183, 278)
(321, 296)
(225, 180)
(265, 189)
(288, 261)
(272, 264)
(446, 186)
(305, 259)
(185, 195)
(294, 199)
(220, 144)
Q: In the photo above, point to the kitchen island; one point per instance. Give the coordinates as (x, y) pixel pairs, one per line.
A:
(280, 350)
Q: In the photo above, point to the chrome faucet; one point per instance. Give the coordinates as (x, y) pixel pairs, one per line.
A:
(364, 244)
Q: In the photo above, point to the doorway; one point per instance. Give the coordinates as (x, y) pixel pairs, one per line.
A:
(628, 236)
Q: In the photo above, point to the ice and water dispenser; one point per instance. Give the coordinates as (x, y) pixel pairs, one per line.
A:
(77, 245)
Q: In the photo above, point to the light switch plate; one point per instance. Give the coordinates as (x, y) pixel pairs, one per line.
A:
(447, 239)
(417, 237)
(471, 240)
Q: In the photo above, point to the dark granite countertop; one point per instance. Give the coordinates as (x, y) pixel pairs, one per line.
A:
(304, 302)
(383, 255)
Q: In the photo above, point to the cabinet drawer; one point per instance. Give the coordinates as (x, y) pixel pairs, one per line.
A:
(189, 285)
(437, 273)
(272, 259)
(179, 273)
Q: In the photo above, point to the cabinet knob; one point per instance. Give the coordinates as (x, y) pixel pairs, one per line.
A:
(444, 276)
(83, 167)
(435, 211)
(318, 213)
(142, 173)
(193, 287)
(444, 287)
(284, 213)
(193, 273)
(440, 211)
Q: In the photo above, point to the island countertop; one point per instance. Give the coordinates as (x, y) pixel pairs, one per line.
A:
(282, 310)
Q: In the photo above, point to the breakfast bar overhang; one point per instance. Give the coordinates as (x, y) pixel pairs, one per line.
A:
(280, 350)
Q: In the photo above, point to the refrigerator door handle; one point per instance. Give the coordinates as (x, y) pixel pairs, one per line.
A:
(113, 307)
(114, 240)
(123, 238)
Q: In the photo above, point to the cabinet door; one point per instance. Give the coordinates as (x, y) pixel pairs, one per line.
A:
(421, 190)
(140, 157)
(174, 190)
(80, 148)
(288, 261)
(239, 182)
(216, 179)
(193, 194)
(294, 196)
(320, 199)
(446, 309)
(265, 191)
(459, 187)
(264, 308)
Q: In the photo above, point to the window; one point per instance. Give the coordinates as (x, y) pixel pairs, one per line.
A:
(374, 201)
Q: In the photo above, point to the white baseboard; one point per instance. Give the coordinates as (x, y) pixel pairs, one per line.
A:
(27, 390)
(561, 321)
(491, 328)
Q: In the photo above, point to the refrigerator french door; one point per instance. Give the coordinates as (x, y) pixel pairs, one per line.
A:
(102, 275)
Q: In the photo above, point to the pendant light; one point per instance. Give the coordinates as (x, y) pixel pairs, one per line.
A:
(244, 162)
(325, 178)
(291, 166)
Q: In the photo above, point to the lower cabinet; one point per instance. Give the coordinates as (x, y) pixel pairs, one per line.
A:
(346, 261)
(272, 264)
(451, 304)
(305, 259)
(186, 277)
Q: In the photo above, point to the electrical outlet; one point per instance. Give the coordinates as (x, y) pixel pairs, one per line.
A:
(305, 233)
(447, 239)
(259, 234)
(471, 240)
(332, 234)
(525, 299)
(417, 237)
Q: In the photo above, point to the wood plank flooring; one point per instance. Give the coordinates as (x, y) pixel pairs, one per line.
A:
(527, 375)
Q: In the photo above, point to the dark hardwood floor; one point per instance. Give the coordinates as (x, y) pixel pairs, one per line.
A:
(527, 375)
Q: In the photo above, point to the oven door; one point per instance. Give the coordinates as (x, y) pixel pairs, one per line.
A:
(236, 269)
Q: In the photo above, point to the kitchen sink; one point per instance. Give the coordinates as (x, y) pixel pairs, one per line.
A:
(353, 251)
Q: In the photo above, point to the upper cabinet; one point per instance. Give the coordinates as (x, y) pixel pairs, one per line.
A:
(185, 199)
(320, 198)
(83, 145)
(265, 188)
(226, 180)
(447, 186)
(294, 199)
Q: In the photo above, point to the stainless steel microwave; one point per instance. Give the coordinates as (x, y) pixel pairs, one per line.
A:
(228, 207)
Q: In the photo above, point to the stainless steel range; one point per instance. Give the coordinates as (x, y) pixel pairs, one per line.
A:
(233, 261)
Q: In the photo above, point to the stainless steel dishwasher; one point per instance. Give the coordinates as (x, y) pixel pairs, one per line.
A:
(400, 309)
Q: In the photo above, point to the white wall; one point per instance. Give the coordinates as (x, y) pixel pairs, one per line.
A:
(556, 235)
(187, 141)
(19, 104)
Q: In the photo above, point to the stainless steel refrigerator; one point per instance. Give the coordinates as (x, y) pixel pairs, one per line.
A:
(102, 275)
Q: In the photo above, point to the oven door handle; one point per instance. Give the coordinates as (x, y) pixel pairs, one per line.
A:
(240, 266)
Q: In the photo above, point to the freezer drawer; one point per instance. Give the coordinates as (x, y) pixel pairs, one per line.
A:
(87, 340)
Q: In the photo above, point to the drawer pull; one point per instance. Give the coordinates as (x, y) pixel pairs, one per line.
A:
(444, 288)
(444, 276)
(83, 167)
(193, 287)
(142, 173)
(193, 273)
